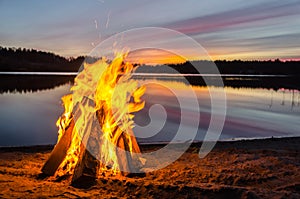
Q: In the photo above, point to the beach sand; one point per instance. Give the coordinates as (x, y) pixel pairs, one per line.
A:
(267, 168)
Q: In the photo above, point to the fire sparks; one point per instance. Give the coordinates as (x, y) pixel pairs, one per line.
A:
(103, 91)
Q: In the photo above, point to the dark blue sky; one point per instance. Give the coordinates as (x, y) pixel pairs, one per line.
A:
(232, 29)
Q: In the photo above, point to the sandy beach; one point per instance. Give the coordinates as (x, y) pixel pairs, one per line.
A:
(268, 168)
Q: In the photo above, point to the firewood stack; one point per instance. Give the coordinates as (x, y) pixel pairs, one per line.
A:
(88, 164)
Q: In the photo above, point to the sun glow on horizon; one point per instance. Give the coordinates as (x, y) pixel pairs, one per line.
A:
(154, 57)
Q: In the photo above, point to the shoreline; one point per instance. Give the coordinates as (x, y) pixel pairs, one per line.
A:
(31, 81)
(46, 147)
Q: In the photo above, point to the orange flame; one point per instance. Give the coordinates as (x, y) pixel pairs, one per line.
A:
(116, 96)
(66, 117)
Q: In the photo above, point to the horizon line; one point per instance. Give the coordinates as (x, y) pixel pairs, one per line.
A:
(190, 60)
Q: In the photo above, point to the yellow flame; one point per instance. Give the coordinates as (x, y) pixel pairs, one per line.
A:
(64, 121)
(116, 96)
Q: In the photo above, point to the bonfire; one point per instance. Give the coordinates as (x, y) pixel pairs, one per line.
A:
(95, 136)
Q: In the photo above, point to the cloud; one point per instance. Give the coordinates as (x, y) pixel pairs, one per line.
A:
(230, 18)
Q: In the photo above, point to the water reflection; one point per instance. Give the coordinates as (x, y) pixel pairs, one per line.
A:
(251, 112)
(32, 83)
(275, 82)
(28, 118)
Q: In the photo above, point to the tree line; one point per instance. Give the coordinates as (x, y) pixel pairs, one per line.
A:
(28, 60)
(269, 67)
(31, 60)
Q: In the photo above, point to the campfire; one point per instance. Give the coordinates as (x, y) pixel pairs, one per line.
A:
(95, 136)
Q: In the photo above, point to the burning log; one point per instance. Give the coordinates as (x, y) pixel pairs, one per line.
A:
(86, 148)
(124, 143)
(87, 166)
(59, 152)
(124, 159)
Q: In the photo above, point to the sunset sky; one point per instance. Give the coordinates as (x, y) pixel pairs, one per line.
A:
(232, 29)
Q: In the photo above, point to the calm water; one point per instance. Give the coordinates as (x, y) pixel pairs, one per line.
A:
(29, 118)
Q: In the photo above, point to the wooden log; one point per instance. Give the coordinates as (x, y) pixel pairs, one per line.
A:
(120, 142)
(123, 157)
(88, 165)
(135, 146)
(59, 152)
(129, 162)
(125, 160)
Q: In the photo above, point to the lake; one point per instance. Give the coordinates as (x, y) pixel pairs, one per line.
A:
(30, 105)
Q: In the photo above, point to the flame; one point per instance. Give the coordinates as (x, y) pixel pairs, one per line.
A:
(64, 121)
(104, 91)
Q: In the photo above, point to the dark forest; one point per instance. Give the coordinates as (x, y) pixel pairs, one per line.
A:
(31, 60)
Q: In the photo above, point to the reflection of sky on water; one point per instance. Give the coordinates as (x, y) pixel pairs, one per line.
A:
(250, 112)
(29, 119)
